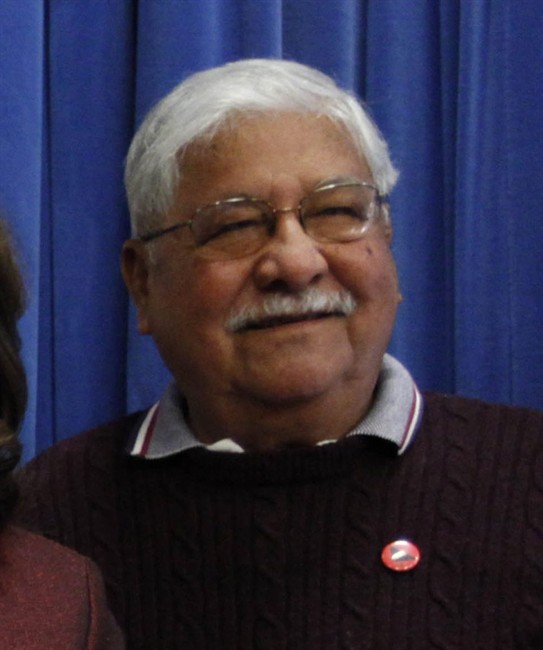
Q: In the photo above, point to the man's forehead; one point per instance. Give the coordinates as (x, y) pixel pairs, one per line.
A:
(308, 146)
(243, 130)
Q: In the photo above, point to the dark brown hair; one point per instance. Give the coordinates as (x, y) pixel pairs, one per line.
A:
(13, 389)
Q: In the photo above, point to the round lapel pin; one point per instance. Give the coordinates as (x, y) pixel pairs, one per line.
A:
(400, 555)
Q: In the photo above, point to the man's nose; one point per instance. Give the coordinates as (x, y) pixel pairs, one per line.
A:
(291, 260)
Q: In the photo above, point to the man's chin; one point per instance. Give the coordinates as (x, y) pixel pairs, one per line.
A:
(298, 383)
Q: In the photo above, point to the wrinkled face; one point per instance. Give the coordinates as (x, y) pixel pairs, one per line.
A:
(189, 303)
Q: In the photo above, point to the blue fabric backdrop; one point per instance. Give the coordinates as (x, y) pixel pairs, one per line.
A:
(457, 88)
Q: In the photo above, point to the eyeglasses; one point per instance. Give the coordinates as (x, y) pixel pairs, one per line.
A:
(238, 226)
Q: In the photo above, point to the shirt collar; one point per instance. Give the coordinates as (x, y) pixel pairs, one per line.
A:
(394, 416)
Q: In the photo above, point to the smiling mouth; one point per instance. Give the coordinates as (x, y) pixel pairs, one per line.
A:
(277, 321)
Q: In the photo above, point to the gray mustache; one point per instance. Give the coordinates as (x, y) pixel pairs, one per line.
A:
(312, 302)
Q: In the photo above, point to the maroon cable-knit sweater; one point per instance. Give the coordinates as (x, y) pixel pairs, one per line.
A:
(282, 550)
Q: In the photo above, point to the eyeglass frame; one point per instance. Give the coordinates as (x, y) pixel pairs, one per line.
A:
(381, 200)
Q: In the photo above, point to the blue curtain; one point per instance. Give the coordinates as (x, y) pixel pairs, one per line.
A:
(455, 85)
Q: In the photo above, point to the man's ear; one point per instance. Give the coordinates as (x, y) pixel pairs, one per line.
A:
(387, 222)
(135, 271)
(388, 231)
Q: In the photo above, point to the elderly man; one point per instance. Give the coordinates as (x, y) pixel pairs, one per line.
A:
(290, 490)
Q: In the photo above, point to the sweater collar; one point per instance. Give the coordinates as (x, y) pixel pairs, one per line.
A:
(394, 416)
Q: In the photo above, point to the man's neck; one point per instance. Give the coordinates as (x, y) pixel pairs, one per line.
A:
(258, 426)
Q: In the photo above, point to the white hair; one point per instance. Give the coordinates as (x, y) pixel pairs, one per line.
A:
(198, 107)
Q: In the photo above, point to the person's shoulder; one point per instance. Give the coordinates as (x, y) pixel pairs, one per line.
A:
(451, 414)
(467, 407)
(59, 480)
(26, 555)
(111, 436)
(51, 595)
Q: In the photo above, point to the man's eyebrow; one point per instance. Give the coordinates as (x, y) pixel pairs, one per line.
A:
(322, 183)
(339, 179)
(232, 196)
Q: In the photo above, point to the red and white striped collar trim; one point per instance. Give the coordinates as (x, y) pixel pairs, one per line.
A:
(413, 420)
(145, 432)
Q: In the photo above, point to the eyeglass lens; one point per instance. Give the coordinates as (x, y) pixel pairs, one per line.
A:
(241, 226)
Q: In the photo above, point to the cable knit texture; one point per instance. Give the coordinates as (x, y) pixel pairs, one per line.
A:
(282, 550)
